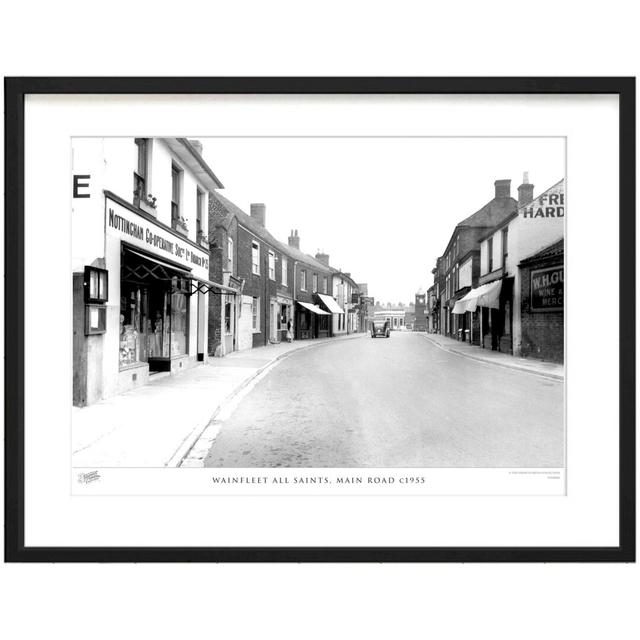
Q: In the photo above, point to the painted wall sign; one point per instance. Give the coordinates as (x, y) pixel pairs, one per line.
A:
(548, 205)
(79, 182)
(547, 289)
(142, 233)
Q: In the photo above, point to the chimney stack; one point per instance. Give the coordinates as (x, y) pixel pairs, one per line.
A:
(197, 145)
(258, 211)
(525, 191)
(294, 239)
(503, 188)
(322, 257)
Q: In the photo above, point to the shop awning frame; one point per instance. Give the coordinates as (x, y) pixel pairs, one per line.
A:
(166, 272)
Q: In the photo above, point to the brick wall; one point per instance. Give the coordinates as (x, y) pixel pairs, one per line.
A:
(542, 331)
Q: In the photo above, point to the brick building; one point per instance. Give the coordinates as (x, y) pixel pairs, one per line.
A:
(279, 287)
(458, 269)
(542, 304)
(249, 259)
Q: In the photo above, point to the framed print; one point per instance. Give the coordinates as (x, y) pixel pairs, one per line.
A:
(320, 319)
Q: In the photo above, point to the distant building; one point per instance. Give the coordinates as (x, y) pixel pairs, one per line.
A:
(420, 313)
(395, 317)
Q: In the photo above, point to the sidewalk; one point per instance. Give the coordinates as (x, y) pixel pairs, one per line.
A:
(530, 365)
(156, 425)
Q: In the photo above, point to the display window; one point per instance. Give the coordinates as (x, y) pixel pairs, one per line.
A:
(154, 315)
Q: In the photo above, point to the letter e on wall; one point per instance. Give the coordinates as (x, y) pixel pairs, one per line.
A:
(78, 184)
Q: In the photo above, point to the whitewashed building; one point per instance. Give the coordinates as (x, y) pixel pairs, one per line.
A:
(538, 223)
(140, 261)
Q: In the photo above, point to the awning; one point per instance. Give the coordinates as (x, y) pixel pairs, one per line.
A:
(160, 270)
(314, 308)
(486, 295)
(330, 303)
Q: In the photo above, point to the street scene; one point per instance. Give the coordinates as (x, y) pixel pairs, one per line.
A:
(361, 417)
(207, 332)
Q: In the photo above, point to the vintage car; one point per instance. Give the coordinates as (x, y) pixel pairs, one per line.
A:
(380, 329)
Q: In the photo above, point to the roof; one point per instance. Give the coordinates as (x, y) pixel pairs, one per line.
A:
(493, 213)
(233, 210)
(555, 250)
(192, 158)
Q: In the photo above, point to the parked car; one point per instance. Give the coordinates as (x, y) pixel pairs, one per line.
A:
(380, 329)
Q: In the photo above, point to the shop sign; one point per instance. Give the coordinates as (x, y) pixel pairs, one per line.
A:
(547, 289)
(547, 205)
(145, 234)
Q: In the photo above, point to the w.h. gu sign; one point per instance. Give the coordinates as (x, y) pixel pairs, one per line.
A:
(547, 289)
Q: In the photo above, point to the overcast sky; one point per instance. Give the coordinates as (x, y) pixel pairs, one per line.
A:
(382, 208)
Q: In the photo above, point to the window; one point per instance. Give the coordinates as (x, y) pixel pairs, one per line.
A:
(490, 255)
(140, 174)
(199, 212)
(255, 315)
(315, 282)
(284, 275)
(505, 247)
(230, 255)
(255, 258)
(175, 196)
(303, 280)
(272, 265)
(324, 284)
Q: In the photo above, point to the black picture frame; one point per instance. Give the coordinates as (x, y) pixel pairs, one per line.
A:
(15, 91)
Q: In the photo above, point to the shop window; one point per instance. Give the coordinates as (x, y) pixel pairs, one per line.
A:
(179, 337)
(284, 316)
(140, 174)
(272, 265)
(285, 266)
(255, 258)
(154, 318)
(255, 315)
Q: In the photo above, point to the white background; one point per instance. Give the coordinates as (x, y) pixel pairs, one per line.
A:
(321, 601)
(587, 516)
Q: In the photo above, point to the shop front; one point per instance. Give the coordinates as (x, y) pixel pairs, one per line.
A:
(311, 321)
(154, 310)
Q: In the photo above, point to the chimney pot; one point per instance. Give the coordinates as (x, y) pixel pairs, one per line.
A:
(294, 240)
(525, 191)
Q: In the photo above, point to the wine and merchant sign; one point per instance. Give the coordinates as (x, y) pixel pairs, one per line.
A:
(547, 289)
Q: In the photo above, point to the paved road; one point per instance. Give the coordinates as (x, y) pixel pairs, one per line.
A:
(397, 402)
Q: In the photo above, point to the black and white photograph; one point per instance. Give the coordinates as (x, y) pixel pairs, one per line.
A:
(327, 302)
(341, 315)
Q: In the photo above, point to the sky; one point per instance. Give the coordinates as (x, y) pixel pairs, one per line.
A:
(383, 208)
